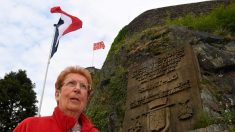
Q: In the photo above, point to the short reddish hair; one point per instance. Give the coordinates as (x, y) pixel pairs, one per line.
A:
(73, 69)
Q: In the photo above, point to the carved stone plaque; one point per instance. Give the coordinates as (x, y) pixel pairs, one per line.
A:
(163, 93)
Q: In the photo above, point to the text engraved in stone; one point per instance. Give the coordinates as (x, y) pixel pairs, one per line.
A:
(159, 94)
(154, 84)
(158, 67)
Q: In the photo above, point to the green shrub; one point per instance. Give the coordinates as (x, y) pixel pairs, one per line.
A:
(203, 121)
(229, 119)
(220, 19)
(117, 43)
(98, 116)
(110, 99)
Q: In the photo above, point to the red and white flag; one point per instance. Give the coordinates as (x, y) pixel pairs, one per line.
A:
(98, 45)
(67, 23)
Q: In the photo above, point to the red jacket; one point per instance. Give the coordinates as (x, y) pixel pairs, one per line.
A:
(58, 122)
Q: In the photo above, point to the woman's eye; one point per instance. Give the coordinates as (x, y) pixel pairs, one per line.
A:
(82, 85)
(71, 83)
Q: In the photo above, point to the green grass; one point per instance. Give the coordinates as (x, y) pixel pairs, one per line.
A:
(118, 41)
(150, 34)
(203, 121)
(221, 20)
(229, 119)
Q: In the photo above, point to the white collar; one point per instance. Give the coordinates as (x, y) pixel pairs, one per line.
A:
(77, 128)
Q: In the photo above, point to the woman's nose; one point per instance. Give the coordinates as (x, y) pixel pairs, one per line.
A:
(77, 88)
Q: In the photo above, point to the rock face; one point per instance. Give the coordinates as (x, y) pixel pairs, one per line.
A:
(160, 78)
(215, 73)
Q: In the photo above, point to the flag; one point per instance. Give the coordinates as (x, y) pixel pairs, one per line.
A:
(98, 45)
(67, 23)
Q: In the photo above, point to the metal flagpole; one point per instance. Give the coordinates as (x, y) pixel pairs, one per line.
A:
(93, 58)
(44, 82)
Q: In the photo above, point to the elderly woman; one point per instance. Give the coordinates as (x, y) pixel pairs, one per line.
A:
(72, 90)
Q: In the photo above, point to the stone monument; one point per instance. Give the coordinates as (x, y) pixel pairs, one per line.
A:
(163, 93)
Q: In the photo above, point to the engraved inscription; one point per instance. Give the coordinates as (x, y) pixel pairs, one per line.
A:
(155, 84)
(158, 67)
(159, 94)
(163, 93)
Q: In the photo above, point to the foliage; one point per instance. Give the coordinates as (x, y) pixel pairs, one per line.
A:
(17, 99)
(117, 94)
(229, 119)
(98, 116)
(205, 81)
(117, 86)
(117, 43)
(203, 121)
(219, 21)
(109, 101)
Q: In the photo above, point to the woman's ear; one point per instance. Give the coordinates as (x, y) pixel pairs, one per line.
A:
(57, 95)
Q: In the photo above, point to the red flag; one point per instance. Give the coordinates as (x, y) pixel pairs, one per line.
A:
(67, 23)
(98, 45)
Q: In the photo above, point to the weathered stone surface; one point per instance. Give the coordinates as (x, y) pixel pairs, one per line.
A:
(163, 93)
(212, 51)
(212, 58)
(212, 128)
(209, 103)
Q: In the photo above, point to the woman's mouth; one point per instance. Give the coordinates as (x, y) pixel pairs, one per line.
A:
(74, 99)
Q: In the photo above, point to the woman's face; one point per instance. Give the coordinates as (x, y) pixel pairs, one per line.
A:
(73, 96)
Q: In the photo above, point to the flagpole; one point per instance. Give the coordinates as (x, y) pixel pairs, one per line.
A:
(44, 82)
(93, 58)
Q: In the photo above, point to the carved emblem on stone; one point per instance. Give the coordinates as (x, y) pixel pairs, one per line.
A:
(157, 120)
(185, 110)
(136, 126)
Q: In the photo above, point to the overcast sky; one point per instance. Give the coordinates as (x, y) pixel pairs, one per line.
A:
(26, 29)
